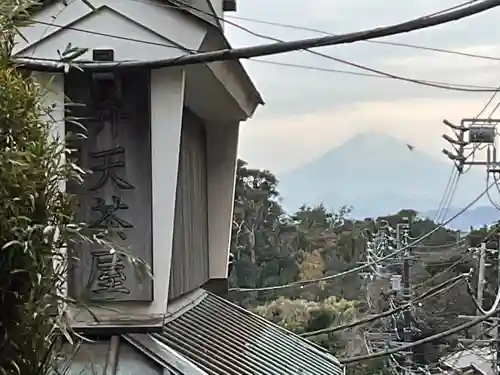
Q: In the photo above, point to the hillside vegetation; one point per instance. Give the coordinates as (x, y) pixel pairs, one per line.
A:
(273, 248)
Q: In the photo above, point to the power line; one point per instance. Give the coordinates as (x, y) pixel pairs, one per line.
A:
(355, 65)
(396, 44)
(108, 35)
(276, 48)
(487, 314)
(447, 196)
(430, 293)
(336, 59)
(378, 73)
(447, 269)
(432, 83)
(451, 244)
(224, 19)
(426, 340)
(303, 283)
(452, 186)
(450, 86)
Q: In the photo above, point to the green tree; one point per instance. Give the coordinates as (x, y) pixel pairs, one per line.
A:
(37, 221)
(300, 316)
(275, 248)
(36, 218)
(259, 235)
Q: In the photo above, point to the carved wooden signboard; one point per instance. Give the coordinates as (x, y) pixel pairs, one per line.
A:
(117, 194)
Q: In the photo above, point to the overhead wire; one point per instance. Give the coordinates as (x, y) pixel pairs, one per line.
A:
(443, 272)
(448, 195)
(302, 283)
(428, 294)
(375, 72)
(490, 198)
(284, 25)
(450, 244)
(451, 189)
(425, 82)
(275, 48)
(454, 7)
(449, 186)
(397, 44)
(495, 177)
(428, 339)
(487, 314)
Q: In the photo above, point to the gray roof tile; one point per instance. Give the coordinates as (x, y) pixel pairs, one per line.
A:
(224, 339)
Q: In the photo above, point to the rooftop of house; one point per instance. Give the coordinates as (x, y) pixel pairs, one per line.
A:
(479, 359)
(228, 5)
(220, 337)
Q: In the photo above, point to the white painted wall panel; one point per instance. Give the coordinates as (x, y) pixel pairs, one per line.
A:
(52, 86)
(149, 21)
(132, 362)
(167, 100)
(217, 5)
(140, 43)
(222, 152)
(89, 358)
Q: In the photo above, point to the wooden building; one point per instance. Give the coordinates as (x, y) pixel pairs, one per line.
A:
(162, 146)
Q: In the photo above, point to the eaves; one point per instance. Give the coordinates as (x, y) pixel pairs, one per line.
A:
(211, 20)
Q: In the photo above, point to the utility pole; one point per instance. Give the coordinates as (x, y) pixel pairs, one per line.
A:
(480, 286)
(402, 235)
(381, 243)
(497, 333)
(471, 134)
(480, 132)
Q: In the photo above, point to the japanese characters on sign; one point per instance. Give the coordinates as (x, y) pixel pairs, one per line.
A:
(108, 269)
(117, 194)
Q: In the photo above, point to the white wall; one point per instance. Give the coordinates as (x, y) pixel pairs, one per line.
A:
(167, 100)
(136, 30)
(217, 4)
(222, 152)
(155, 24)
(53, 100)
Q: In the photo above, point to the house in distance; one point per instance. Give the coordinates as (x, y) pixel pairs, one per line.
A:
(162, 147)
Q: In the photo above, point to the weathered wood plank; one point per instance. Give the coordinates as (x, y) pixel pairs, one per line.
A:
(190, 261)
(117, 195)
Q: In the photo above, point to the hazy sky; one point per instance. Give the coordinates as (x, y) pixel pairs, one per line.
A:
(309, 112)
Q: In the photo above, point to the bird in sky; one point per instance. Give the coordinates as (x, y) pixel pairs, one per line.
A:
(410, 147)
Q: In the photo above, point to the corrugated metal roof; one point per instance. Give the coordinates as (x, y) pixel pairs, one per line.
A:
(224, 339)
(479, 358)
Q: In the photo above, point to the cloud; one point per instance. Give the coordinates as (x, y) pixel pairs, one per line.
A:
(444, 62)
(309, 112)
(285, 142)
(295, 91)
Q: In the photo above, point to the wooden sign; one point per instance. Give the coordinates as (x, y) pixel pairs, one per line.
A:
(117, 194)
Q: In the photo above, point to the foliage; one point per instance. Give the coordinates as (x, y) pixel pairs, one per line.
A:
(379, 366)
(273, 247)
(299, 316)
(37, 223)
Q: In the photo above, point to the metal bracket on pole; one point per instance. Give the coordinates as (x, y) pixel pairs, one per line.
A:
(480, 131)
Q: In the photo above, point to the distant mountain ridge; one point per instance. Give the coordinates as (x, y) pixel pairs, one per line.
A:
(377, 174)
(474, 217)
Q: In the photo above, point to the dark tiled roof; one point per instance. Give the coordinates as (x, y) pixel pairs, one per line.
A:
(224, 339)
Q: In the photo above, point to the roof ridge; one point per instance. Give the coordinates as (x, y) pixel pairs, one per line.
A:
(319, 348)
